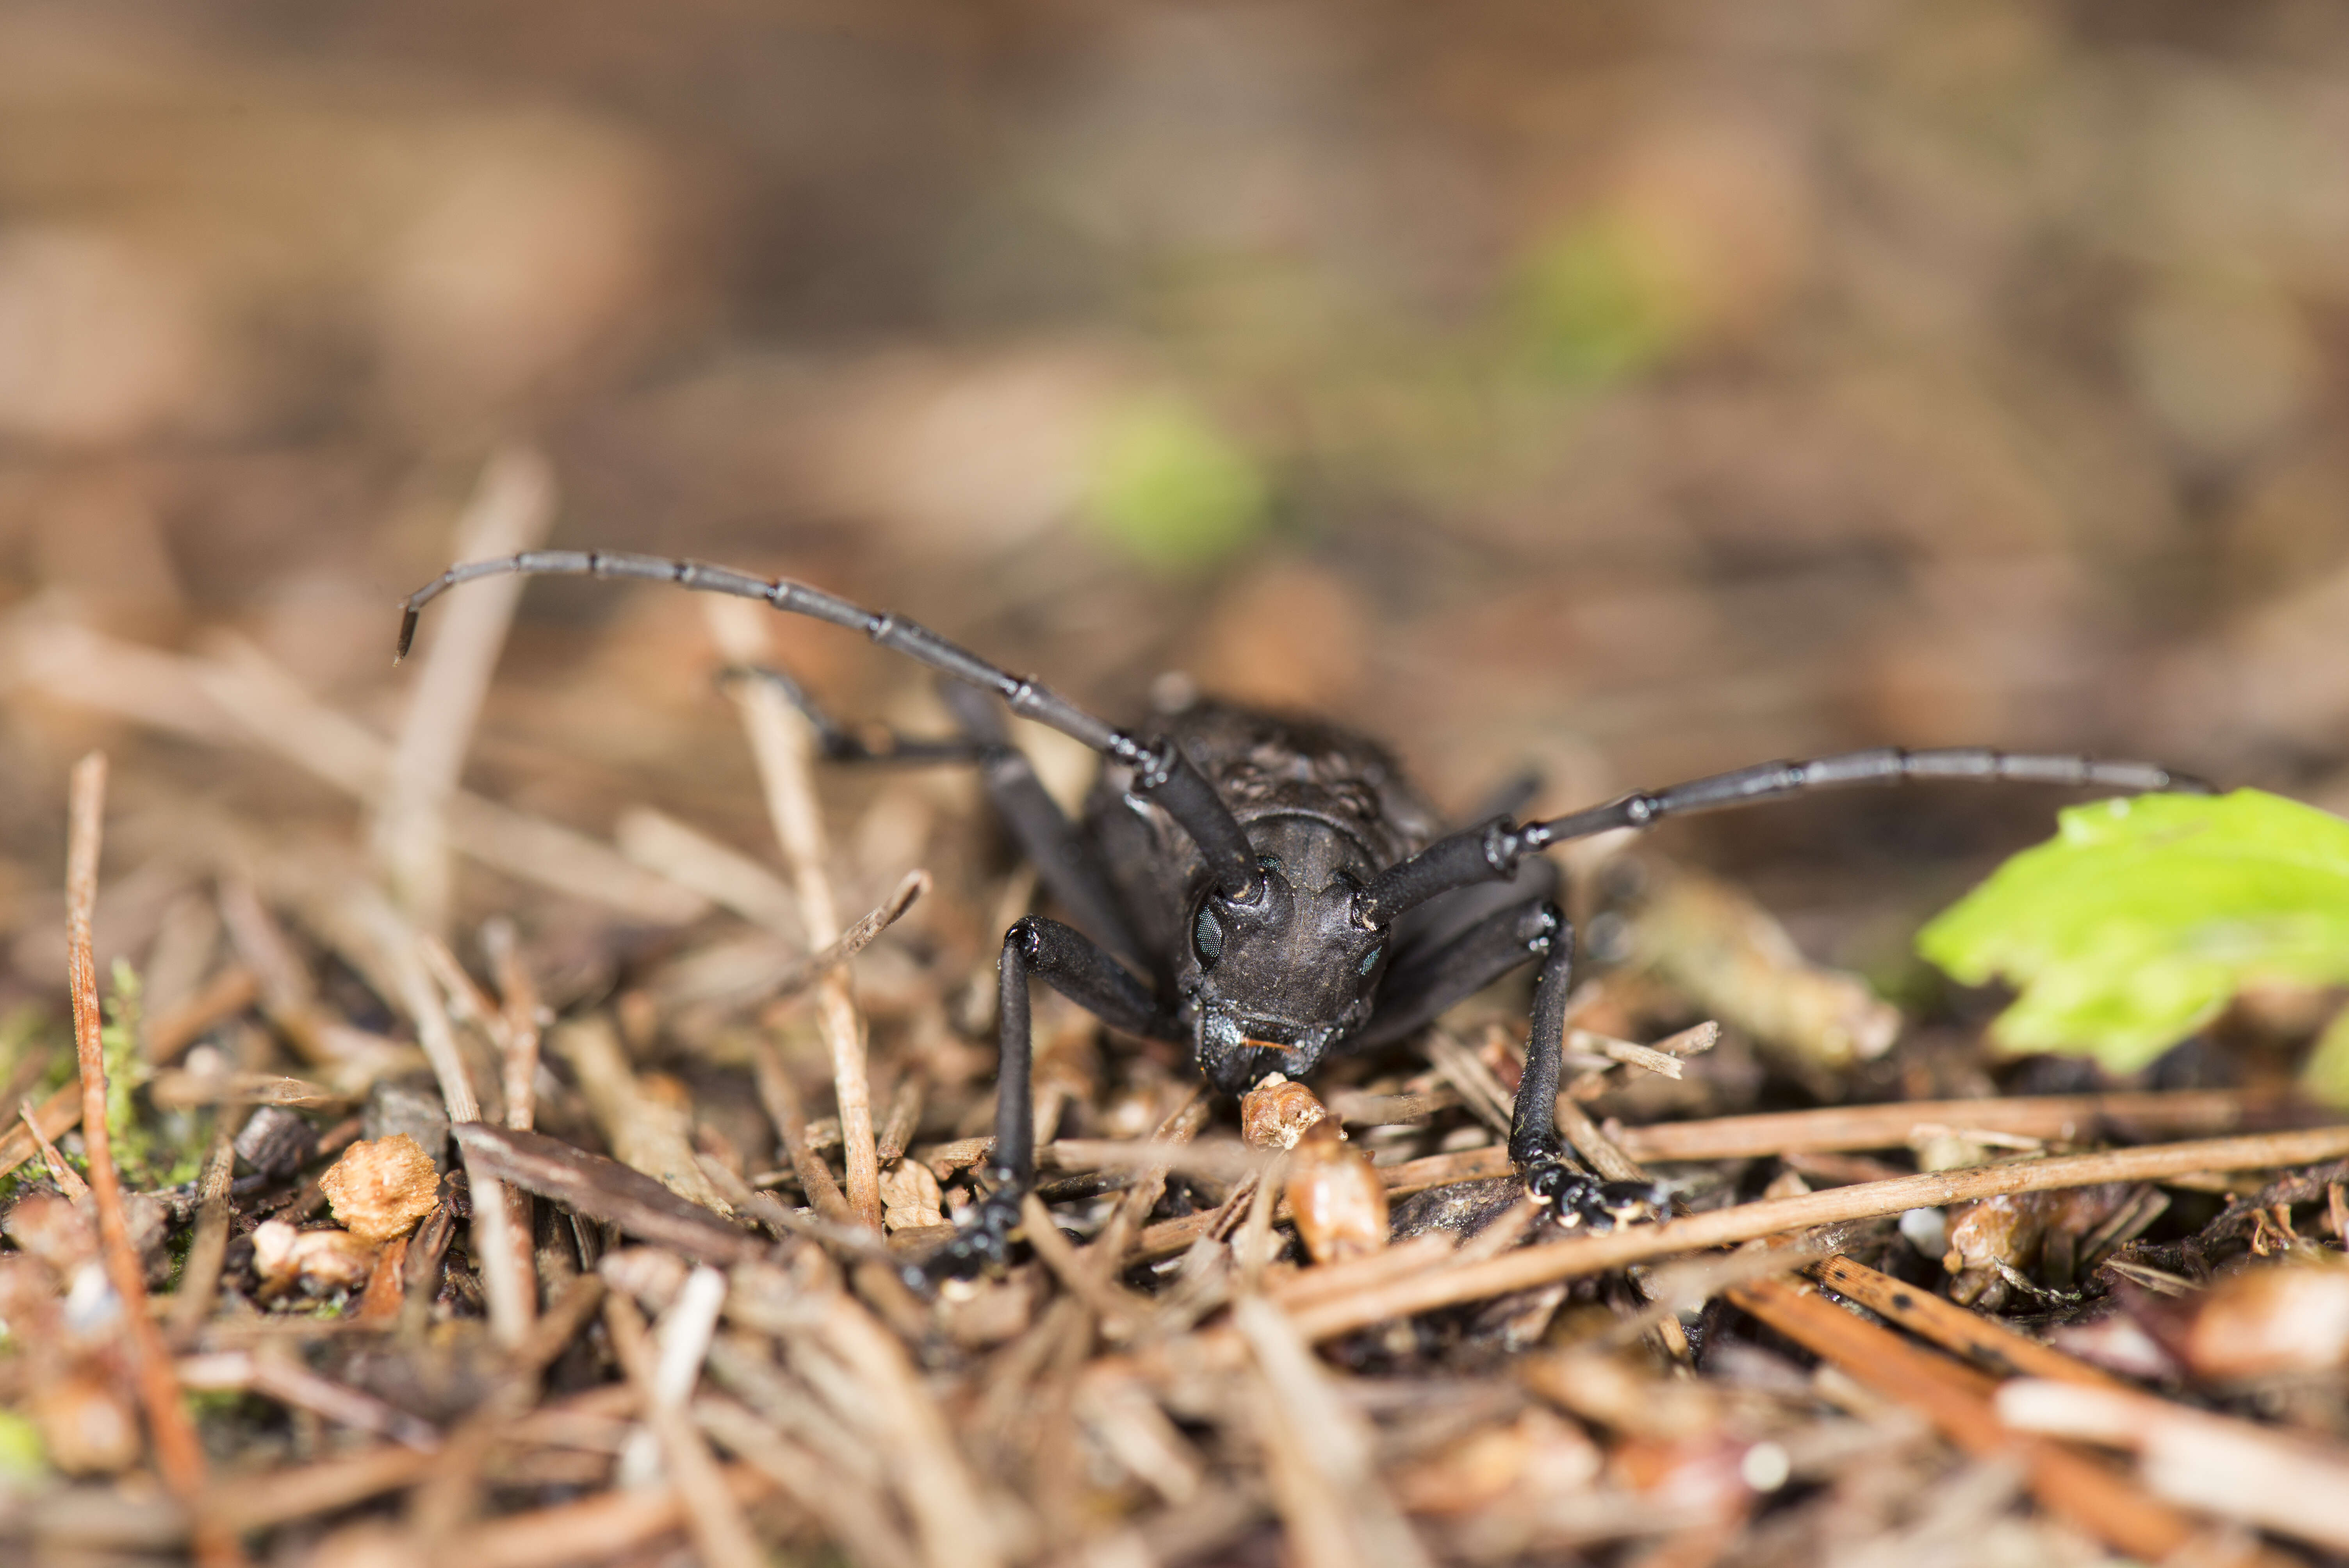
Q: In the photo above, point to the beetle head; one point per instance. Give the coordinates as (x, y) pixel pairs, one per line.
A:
(1274, 980)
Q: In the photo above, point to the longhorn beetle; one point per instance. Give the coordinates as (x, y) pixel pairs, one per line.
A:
(1269, 890)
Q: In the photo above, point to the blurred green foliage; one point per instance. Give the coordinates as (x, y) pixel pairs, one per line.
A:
(2143, 917)
(1171, 488)
(1595, 303)
(23, 1456)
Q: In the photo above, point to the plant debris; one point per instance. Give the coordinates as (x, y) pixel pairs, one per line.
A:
(492, 1111)
(1207, 1338)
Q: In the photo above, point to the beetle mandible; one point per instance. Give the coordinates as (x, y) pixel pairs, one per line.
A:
(1268, 890)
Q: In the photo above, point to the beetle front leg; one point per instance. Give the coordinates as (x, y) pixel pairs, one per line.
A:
(984, 1240)
(1575, 1196)
(1080, 971)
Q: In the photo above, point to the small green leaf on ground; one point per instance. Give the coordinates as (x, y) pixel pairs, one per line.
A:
(2141, 920)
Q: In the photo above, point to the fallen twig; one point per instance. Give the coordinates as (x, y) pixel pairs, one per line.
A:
(593, 1529)
(55, 1116)
(781, 1098)
(510, 511)
(1868, 1200)
(795, 978)
(603, 1189)
(931, 1476)
(200, 1275)
(780, 742)
(2072, 1118)
(281, 1496)
(238, 1370)
(713, 1517)
(2280, 1481)
(718, 873)
(1318, 1453)
(67, 1179)
(1996, 1349)
(178, 1455)
(244, 699)
(1958, 1401)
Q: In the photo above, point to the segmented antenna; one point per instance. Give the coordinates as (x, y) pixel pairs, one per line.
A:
(1492, 853)
(1160, 769)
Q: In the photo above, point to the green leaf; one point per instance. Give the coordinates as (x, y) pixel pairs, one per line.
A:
(2141, 919)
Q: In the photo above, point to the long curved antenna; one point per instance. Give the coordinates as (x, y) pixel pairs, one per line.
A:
(1161, 771)
(1491, 852)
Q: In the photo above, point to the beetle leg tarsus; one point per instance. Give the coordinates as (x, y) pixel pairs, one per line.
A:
(981, 1243)
(1578, 1199)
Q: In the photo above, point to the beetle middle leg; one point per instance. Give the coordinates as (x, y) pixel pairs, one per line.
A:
(1538, 1151)
(1067, 961)
(1416, 991)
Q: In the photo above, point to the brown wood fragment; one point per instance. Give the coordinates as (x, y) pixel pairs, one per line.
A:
(67, 1179)
(781, 744)
(2071, 1118)
(781, 1098)
(55, 1116)
(2281, 1480)
(1992, 1347)
(641, 1120)
(1957, 1401)
(1598, 1152)
(200, 1275)
(593, 1529)
(604, 1189)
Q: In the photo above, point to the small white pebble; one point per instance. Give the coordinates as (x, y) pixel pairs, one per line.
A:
(1765, 1466)
(1928, 1231)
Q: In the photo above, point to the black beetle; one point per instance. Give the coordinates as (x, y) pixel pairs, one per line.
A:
(1283, 890)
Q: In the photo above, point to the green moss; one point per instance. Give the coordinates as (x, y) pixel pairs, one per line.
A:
(126, 1071)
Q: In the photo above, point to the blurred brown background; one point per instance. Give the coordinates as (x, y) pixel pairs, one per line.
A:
(1648, 389)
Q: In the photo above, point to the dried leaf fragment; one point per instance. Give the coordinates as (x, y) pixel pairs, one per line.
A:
(1276, 1113)
(2011, 1228)
(910, 1197)
(85, 1426)
(318, 1260)
(380, 1189)
(1339, 1202)
(1715, 945)
(2284, 1318)
(1540, 1453)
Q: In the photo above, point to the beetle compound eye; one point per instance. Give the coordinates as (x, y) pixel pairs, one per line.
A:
(1370, 960)
(1208, 937)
